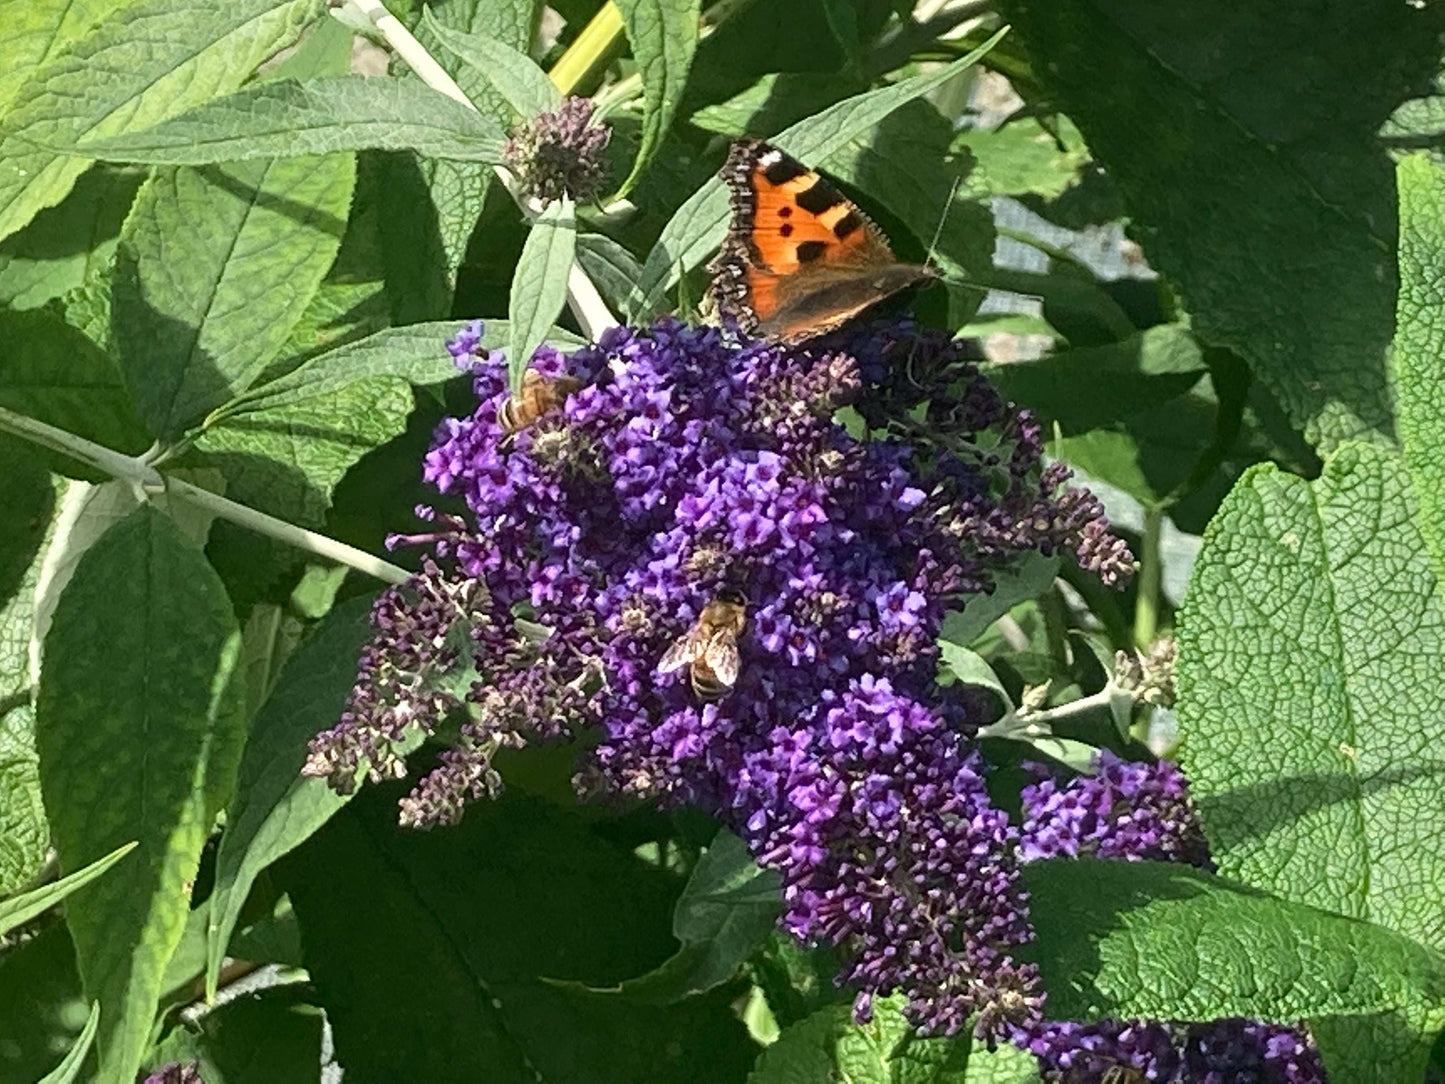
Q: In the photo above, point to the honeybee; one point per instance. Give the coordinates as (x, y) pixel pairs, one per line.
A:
(1121, 1074)
(539, 394)
(710, 647)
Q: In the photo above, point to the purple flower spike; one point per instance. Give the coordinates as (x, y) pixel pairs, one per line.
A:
(690, 462)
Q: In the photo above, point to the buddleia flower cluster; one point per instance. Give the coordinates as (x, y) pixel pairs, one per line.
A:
(689, 464)
(1134, 811)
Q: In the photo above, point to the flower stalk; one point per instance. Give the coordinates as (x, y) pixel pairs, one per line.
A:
(137, 472)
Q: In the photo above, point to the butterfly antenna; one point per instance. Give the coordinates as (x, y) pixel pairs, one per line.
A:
(942, 220)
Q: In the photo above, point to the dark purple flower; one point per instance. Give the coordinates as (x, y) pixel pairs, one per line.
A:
(692, 461)
(1124, 810)
(559, 152)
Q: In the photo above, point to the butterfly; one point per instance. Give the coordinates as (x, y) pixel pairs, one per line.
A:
(800, 258)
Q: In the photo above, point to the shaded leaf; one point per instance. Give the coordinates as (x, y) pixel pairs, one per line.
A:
(139, 729)
(663, 35)
(275, 809)
(1252, 173)
(1311, 676)
(159, 56)
(215, 267)
(319, 116)
(272, 1036)
(1136, 940)
(539, 285)
(23, 908)
(518, 891)
(70, 1068)
(611, 267)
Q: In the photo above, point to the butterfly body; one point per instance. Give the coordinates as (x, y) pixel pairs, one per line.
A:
(800, 258)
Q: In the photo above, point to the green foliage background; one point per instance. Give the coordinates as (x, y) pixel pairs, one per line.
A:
(229, 257)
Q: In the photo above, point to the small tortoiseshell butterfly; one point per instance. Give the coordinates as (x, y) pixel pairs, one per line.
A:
(800, 258)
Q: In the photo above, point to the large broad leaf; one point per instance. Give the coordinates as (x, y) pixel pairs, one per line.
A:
(468, 924)
(1311, 684)
(829, 1046)
(539, 285)
(315, 116)
(1420, 343)
(51, 372)
(275, 809)
(663, 35)
(1252, 174)
(139, 731)
(215, 267)
(159, 56)
(727, 910)
(30, 496)
(1153, 940)
(35, 30)
(698, 226)
(65, 246)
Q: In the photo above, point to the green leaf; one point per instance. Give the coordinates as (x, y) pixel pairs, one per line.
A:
(1023, 157)
(138, 728)
(610, 266)
(287, 459)
(1253, 175)
(726, 911)
(1311, 678)
(416, 353)
(215, 267)
(516, 78)
(1006, 1065)
(65, 246)
(519, 890)
(663, 35)
(273, 1036)
(319, 116)
(31, 497)
(275, 809)
(160, 57)
(828, 1046)
(41, 1003)
(698, 226)
(1154, 940)
(1420, 343)
(1031, 578)
(54, 374)
(69, 1069)
(35, 30)
(26, 906)
(970, 668)
(539, 285)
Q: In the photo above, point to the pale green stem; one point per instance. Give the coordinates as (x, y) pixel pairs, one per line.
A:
(592, 313)
(1022, 725)
(1151, 577)
(137, 472)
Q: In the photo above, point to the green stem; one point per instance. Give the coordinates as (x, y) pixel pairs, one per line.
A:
(593, 49)
(1151, 577)
(140, 474)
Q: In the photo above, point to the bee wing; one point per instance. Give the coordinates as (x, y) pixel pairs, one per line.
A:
(682, 652)
(721, 657)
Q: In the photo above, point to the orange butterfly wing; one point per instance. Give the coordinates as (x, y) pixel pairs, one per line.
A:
(800, 258)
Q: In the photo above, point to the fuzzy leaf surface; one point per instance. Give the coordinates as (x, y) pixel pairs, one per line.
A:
(1311, 679)
(316, 116)
(663, 35)
(539, 285)
(1253, 175)
(215, 267)
(139, 728)
(157, 58)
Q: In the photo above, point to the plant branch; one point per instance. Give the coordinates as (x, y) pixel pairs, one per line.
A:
(592, 313)
(1151, 578)
(1021, 724)
(140, 474)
